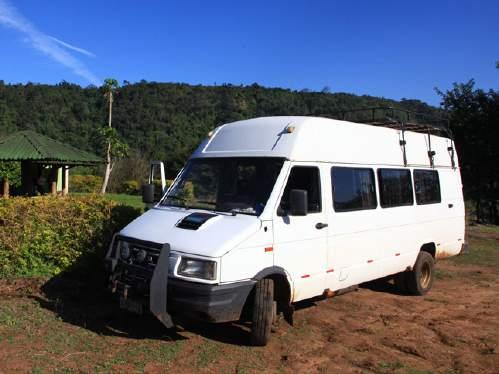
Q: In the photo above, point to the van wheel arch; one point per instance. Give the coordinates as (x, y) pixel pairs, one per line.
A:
(282, 290)
(431, 248)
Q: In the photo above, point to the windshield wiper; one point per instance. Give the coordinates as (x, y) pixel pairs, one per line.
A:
(235, 211)
(206, 202)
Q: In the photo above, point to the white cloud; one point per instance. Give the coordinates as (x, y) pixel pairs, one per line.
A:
(48, 45)
(72, 47)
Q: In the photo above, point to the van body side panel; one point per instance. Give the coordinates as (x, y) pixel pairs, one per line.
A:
(354, 248)
(451, 223)
(249, 257)
(364, 245)
(398, 239)
(300, 248)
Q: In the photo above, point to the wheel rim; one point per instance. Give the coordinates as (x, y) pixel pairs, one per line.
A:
(425, 278)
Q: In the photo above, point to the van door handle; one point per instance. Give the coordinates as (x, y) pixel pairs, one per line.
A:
(450, 205)
(320, 225)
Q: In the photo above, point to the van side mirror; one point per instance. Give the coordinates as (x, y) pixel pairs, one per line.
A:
(298, 202)
(148, 193)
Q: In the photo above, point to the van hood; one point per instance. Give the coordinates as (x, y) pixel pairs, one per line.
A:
(215, 237)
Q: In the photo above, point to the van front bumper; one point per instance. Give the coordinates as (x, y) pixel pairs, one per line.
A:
(207, 302)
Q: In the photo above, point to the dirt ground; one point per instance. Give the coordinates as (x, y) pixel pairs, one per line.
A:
(453, 329)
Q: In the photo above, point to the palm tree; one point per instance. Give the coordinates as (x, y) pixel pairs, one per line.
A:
(110, 86)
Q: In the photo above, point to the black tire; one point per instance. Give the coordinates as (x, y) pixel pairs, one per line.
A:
(420, 279)
(263, 312)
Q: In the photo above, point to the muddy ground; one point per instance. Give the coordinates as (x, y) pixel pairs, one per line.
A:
(46, 327)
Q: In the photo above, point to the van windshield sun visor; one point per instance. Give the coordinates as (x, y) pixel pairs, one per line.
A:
(194, 220)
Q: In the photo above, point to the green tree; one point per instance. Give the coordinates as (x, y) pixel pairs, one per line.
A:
(10, 174)
(474, 119)
(115, 148)
(164, 121)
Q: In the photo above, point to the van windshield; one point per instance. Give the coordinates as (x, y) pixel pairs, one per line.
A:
(235, 184)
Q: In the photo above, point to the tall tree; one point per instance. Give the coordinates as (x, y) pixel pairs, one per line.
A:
(10, 174)
(474, 119)
(110, 86)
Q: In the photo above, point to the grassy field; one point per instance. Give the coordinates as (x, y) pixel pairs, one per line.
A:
(134, 201)
(51, 326)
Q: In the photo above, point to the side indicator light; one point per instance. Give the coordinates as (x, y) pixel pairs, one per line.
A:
(269, 249)
(397, 254)
(306, 276)
(329, 270)
(369, 261)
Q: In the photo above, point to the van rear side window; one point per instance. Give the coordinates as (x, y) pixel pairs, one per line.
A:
(353, 189)
(395, 187)
(427, 187)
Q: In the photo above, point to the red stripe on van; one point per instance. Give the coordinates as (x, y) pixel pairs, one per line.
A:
(305, 276)
(329, 270)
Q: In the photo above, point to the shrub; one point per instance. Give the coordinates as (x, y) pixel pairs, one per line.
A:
(85, 183)
(130, 187)
(47, 235)
(11, 171)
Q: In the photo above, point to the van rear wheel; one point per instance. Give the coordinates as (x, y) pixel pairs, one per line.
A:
(263, 312)
(420, 279)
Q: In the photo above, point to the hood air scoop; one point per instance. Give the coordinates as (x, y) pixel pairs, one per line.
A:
(194, 220)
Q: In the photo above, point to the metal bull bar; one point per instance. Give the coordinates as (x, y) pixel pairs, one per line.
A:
(158, 290)
(142, 278)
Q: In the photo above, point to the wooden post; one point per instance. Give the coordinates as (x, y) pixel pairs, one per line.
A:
(53, 180)
(65, 180)
(6, 187)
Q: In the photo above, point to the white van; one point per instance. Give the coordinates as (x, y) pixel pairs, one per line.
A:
(270, 211)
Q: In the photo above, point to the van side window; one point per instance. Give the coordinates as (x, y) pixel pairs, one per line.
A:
(395, 187)
(427, 186)
(353, 189)
(304, 178)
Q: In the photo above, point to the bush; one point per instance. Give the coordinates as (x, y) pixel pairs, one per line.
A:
(48, 235)
(85, 183)
(130, 187)
(11, 171)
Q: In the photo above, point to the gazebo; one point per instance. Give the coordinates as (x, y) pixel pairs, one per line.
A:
(42, 160)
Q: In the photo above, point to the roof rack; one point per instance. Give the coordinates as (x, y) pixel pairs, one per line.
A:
(395, 118)
(403, 120)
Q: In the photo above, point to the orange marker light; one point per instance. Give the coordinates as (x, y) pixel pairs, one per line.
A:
(269, 249)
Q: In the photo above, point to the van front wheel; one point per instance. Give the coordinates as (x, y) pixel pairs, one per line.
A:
(420, 279)
(263, 312)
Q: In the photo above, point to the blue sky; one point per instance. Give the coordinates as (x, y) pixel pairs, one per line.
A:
(393, 49)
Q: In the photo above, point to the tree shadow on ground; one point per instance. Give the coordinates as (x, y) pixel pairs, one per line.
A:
(384, 285)
(79, 296)
(88, 304)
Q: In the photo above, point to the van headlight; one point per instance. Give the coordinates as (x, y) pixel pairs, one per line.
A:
(195, 268)
(124, 250)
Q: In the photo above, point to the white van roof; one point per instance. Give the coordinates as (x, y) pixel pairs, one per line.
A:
(324, 140)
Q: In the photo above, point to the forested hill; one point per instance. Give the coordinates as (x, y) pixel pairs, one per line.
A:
(162, 120)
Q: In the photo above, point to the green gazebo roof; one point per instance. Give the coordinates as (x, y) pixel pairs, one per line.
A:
(29, 145)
